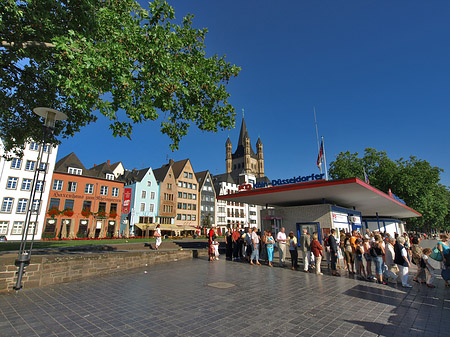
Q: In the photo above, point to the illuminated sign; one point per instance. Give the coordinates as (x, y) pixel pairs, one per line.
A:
(277, 182)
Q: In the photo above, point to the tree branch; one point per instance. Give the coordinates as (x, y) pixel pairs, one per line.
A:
(27, 44)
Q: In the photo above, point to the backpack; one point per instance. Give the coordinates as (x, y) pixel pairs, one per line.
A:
(373, 252)
(422, 264)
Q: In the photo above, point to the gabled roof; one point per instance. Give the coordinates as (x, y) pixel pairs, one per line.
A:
(71, 160)
(225, 177)
(131, 177)
(178, 167)
(101, 170)
(160, 173)
(201, 178)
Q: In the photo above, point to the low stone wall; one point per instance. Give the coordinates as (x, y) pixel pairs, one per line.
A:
(52, 269)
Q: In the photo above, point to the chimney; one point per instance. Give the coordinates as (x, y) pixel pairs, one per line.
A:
(108, 162)
(95, 165)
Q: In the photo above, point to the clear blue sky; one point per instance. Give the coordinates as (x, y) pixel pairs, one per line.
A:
(378, 73)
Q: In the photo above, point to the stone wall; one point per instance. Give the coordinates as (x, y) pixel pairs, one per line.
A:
(52, 269)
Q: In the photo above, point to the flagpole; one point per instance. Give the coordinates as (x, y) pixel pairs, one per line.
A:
(325, 160)
(317, 132)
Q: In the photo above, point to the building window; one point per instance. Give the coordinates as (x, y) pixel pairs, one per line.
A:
(180, 194)
(180, 184)
(115, 192)
(36, 206)
(190, 186)
(30, 165)
(7, 205)
(22, 206)
(185, 195)
(178, 216)
(34, 146)
(144, 194)
(189, 195)
(142, 206)
(89, 189)
(17, 228)
(109, 176)
(54, 203)
(183, 216)
(149, 183)
(75, 171)
(151, 207)
(169, 186)
(87, 204)
(16, 163)
(179, 205)
(189, 217)
(190, 175)
(103, 190)
(69, 204)
(72, 186)
(4, 227)
(185, 174)
(152, 195)
(194, 186)
(12, 183)
(47, 148)
(43, 166)
(185, 184)
(194, 196)
(194, 207)
(57, 185)
(40, 186)
(31, 228)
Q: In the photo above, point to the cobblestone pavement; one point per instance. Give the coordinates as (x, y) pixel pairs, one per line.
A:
(200, 298)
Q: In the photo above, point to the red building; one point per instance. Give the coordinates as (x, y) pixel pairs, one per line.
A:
(84, 202)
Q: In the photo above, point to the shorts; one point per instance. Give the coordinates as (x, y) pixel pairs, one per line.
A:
(378, 265)
(367, 257)
(349, 257)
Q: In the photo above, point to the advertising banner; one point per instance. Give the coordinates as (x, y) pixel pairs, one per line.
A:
(126, 201)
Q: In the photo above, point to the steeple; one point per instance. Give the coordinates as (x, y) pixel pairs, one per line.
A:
(243, 134)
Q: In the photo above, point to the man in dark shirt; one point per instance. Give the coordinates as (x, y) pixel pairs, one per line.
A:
(236, 243)
(333, 252)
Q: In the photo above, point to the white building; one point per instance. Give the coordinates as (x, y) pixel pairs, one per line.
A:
(16, 180)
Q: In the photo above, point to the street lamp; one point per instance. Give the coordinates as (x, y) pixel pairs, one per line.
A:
(24, 256)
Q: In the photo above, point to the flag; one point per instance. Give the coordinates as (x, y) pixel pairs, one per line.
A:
(366, 177)
(320, 157)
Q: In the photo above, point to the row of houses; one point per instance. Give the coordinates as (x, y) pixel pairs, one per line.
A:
(108, 200)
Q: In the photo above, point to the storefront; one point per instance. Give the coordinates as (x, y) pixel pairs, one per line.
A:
(321, 205)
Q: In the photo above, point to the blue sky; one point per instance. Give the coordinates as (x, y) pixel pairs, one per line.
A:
(377, 72)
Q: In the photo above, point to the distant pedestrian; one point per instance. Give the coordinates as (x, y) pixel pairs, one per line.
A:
(255, 247)
(316, 249)
(157, 235)
(425, 264)
(305, 247)
(281, 240)
(236, 237)
(417, 252)
(293, 250)
(270, 241)
(348, 251)
(229, 244)
(402, 261)
(378, 254)
(211, 239)
(334, 252)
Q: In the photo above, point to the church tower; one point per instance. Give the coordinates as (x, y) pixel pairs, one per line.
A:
(244, 159)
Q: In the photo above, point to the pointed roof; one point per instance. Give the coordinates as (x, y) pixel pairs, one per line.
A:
(240, 151)
(160, 173)
(228, 141)
(178, 167)
(71, 160)
(136, 175)
(201, 178)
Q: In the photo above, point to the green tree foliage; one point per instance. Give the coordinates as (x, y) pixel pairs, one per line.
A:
(413, 180)
(90, 58)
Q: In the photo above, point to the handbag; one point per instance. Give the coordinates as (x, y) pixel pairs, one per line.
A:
(436, 254)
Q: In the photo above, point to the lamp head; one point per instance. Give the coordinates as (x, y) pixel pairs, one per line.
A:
(50, 115)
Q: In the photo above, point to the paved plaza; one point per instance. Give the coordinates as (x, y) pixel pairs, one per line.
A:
(222, 298)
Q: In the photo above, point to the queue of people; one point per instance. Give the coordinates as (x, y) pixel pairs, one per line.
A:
(372, 256)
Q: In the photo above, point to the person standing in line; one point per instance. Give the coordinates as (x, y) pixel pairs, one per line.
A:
(367, 257)
(444, 249)
(359, 257)
(378, 256)
(316, 249)
(293, 251)
(262, 247)
(211, 239)
(417, 252)
(255, 243)
(402, 261)
(425, 264)
(236, 244)
(249, 242)
(348, 251)
(229, 244)
(305, 246)
(353, 239)
(157, 235)
(281, 239)
(334, 252)
(389, 260)
(270, 246)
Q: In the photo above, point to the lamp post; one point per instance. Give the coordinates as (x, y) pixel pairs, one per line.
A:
(24, 256)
